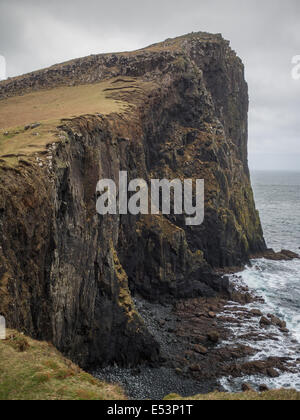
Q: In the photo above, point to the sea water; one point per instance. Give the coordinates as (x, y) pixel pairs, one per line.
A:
(277, 196)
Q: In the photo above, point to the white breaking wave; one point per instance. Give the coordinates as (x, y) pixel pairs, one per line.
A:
(278, 283)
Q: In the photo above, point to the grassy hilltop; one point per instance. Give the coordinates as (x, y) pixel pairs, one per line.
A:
(21, 138)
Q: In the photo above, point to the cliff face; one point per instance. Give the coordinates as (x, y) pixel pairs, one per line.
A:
(67, 274)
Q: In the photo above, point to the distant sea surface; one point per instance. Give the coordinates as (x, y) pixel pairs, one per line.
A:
(277, 196)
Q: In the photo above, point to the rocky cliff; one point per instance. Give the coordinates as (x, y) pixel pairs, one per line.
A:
(173, 110)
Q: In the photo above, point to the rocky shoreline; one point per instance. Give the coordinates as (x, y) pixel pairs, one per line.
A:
(206, 343)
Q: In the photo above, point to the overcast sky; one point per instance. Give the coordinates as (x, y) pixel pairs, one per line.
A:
(265, 34)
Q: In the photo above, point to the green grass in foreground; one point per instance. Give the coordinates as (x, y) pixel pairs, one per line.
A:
(33, 370)
(276, 395)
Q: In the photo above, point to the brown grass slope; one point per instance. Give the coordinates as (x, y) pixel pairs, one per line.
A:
(48, 107)
(33, 370)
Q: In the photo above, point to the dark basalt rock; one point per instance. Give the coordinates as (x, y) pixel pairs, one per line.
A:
(68, 275)
(263, 388)
(283, 255)
(265, 322)
(247, 388)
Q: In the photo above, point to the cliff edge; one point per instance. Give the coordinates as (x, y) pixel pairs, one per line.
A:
(177, 109)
